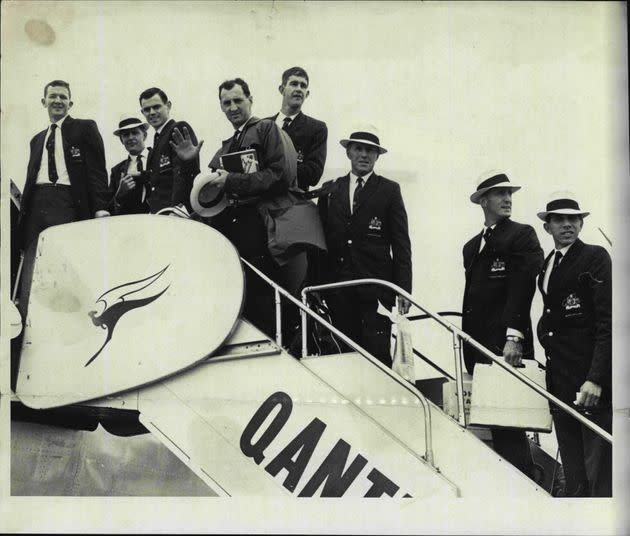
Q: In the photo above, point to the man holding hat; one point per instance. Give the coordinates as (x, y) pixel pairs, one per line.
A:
(129, 178)
(501, 264)
(256, 203)
(365, 223)
(576, 332)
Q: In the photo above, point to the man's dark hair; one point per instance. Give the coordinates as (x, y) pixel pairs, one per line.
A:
(548, 217)
(148, 93)
(58, 83)
(229, 84)
(293, 71)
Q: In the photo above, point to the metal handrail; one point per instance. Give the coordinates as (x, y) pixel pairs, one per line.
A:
(458, 334)
(304, 309)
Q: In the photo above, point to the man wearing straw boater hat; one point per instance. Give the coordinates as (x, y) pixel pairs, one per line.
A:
(129, 178)
(576, 332)
(366, 230)
(501, 264)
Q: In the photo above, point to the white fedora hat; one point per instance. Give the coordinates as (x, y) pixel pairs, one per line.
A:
(562, 203)
(367, 138)
(130, 123)
(489, 180)
(205, 198)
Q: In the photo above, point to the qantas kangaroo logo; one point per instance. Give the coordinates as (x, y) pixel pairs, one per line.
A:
(116, 304)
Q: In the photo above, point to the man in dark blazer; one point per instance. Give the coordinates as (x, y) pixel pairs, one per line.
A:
(501, 264)
(365, 223)
(66, 179)
(309, 135)
(575, 330)
(170, 178)
(129, 178)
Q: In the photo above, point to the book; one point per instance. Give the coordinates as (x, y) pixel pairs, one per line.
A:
(245, 161)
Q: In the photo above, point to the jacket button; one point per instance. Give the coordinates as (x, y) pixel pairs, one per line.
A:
(550, 333)
(349, 242)
(341, 259)
(547, 310)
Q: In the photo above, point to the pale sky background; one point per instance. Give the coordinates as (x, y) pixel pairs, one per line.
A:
(538, 90)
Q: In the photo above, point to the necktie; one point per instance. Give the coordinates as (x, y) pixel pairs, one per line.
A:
(50, 147)
(286, 123)
(487, 234)
(139, 163)
(234, 142)
(556, 260)
(357, 190)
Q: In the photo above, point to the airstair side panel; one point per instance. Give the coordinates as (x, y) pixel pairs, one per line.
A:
(465, 460)
(267, 425)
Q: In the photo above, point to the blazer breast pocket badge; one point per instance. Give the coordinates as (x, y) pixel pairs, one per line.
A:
(75, 152)
(164, 161)
(572, 305)
(300, 156)
(375, 224)
(497, 268)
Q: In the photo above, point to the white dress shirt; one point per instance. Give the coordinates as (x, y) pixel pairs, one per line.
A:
(60, 160)
(281, 117)
(353, 185)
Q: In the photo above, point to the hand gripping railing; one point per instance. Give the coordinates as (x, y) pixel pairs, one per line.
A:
(458, 336)
(306, 310)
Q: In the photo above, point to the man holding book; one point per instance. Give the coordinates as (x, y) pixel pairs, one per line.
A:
(255, 170)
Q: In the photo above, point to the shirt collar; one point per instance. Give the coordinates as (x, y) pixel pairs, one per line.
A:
(144, 154)
(353, 177)
(563, 250)
(159, 130)
(491, 227)
(60, 122)
(291, 117)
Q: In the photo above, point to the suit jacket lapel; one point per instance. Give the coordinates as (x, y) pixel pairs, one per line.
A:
(297, 123)
(343, 194)
(541, 276)
(566, 262)
(366, 192)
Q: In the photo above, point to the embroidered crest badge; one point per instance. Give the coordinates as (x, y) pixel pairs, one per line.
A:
(572, 301)
(300, 156)
(75, 152)
(497, 266)
(164, 161)
(375, 224)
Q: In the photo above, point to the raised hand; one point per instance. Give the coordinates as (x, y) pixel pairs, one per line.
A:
(184, 146)
(126, 184)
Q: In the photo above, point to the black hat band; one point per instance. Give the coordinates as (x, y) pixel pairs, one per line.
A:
(558, 204)
(493, 181)
(206, 189)
(365, 136)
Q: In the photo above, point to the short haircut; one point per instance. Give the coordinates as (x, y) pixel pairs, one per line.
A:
(548, 216)
(148, 93)
(293, 71)
(58, 83)
(229, 84)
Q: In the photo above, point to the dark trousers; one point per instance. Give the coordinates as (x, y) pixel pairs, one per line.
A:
(50, 205)
(513, 446)
(586, 457)
(355, 315)
(244, 227)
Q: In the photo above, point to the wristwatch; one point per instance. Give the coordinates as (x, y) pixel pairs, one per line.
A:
(513, 338)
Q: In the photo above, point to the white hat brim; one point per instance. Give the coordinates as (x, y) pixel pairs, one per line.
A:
(202, 180)
(567, 211)
(345, 142)
(143, 126)
(478, 194)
